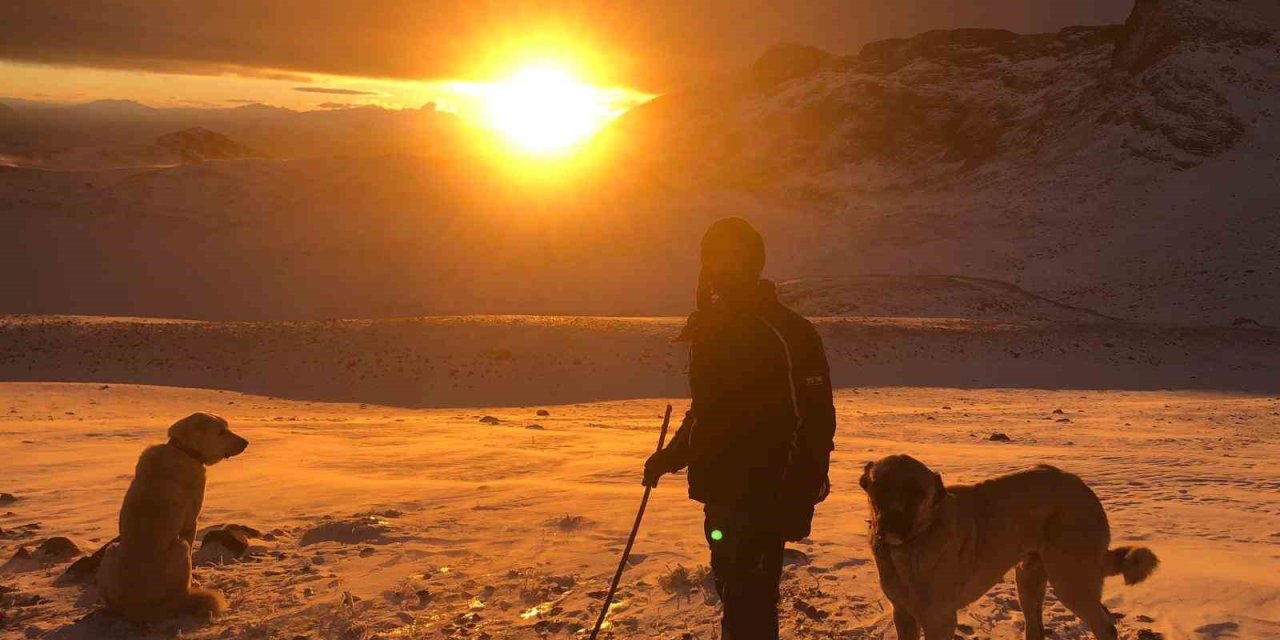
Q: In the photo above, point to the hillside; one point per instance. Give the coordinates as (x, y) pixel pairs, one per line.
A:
(198, 144)
(526, 360)
(926, 297)
(1181, 82)
(1128, 170)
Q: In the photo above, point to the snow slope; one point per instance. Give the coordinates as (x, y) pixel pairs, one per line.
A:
(475, 530)
(1130, 170)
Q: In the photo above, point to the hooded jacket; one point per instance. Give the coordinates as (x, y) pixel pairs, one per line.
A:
(761, 425)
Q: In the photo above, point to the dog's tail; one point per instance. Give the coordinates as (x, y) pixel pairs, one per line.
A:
(201, 600)
(1134, 563)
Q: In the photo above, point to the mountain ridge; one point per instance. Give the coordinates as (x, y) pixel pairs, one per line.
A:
(1128, 169)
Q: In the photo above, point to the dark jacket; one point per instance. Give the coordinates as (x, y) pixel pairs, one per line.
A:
(761, 426)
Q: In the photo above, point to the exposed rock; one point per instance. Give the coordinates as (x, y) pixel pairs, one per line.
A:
(1155, 28)
(542, 413)
(368, 529)
(786, 61)
(383, 513)
(23, 560)
(1148, 36)
(233, 540)
(999, 437)
(83, 570)
(57, 549)
(489, 420)
(198, 144)
(958, 46)
(810, 610)
(7, 498)
(15, 598)
(243, 530)
(794, 557)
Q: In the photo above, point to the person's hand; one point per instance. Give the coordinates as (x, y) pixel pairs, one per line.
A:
(655, 467)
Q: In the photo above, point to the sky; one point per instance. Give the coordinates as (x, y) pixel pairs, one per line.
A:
(402, 53)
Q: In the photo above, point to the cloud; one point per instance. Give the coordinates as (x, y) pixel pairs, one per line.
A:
(336, 105)
(645, 44)
(190, 102)
(336, 91)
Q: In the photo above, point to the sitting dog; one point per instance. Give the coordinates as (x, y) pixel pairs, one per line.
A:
(939, 548)
(146, 573)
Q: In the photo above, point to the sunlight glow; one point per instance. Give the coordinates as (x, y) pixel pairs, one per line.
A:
(543, 109)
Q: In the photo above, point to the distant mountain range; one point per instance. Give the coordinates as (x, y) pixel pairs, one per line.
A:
(107, 134)
(1127, 171)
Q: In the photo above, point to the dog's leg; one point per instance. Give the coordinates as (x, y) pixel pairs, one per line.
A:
(1095, 616)
(1031, 579)
(905, 624)
(188, 532)
(1079, 586)
(942, 627)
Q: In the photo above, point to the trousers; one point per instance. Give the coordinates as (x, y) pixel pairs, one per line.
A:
(746, 560)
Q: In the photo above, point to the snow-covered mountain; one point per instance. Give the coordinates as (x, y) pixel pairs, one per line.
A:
(1182, 81)
(1131, 170)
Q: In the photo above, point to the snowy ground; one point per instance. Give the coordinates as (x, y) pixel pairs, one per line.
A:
(510, 531)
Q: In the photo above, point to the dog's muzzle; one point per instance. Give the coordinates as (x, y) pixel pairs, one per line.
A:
(241, 445)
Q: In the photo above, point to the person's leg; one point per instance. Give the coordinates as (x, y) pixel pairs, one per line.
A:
(717, 528)
(760, 571)
(746, 559)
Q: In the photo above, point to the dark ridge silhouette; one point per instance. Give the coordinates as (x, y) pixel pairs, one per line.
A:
(198, 144)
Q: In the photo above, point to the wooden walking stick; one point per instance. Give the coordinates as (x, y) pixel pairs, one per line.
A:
(635, 529)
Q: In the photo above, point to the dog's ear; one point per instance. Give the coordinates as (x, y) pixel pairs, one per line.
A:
(184, 429)
(865, 480)
(181, 429)
(939, 489)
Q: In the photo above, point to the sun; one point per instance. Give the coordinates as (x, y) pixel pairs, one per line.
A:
(543, 109)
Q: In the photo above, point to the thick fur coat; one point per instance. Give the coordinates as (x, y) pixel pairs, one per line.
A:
(939, 548)
(146, 573)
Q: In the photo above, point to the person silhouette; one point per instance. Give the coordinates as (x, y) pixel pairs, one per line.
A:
(760, 428)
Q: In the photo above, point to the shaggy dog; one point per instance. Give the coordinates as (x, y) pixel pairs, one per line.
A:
(146, 574)
(939, 548)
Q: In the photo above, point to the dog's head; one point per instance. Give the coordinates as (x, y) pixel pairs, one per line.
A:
(904, 496)
(206, 437)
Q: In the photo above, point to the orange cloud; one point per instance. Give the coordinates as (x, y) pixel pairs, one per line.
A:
(646, 44)
(336, 91)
